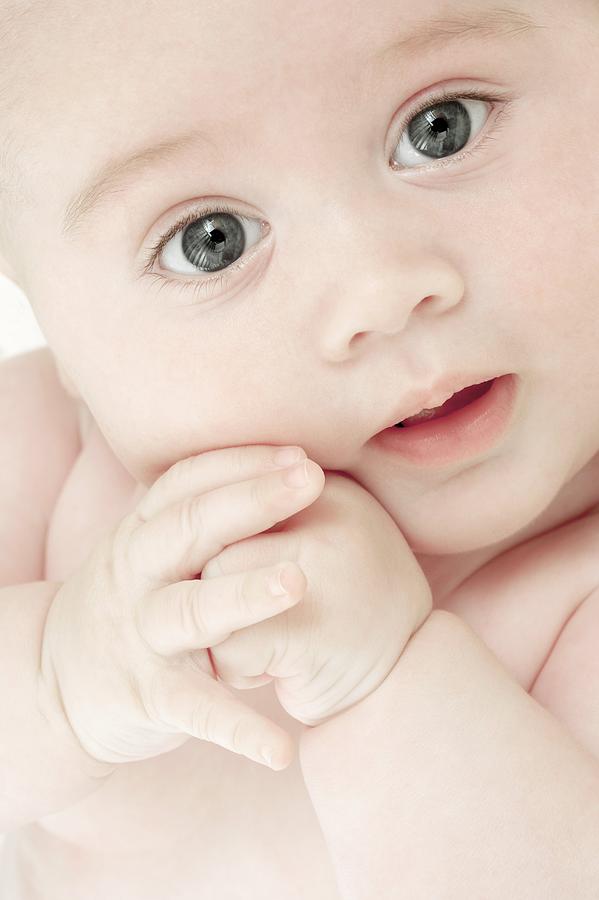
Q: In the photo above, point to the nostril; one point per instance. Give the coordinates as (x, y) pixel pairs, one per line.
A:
(427, 301)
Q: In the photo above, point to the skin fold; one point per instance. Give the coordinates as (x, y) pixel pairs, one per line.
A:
(365, 287)
(368, 282)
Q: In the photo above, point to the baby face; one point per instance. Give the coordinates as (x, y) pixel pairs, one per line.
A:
(237, 227)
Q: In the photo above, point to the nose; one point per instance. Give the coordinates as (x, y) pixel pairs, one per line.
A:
(382, 298)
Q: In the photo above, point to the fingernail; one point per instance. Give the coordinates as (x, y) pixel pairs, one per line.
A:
(286, 456)
(298, 476)
(275, 583)
(266, 754)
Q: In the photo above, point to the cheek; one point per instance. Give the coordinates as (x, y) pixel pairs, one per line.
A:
(154, 416)
(543, 267)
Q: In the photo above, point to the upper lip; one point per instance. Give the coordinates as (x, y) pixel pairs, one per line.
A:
(435, 395)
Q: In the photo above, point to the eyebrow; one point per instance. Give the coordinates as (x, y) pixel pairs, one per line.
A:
(429, 34)
(117, 175)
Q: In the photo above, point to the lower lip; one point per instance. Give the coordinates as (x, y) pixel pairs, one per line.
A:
(462, 434)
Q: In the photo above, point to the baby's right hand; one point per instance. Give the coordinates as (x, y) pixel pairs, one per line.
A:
(119, 655)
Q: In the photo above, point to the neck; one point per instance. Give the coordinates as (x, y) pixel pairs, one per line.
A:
(578, 498)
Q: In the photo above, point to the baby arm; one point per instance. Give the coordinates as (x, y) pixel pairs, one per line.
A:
(450, 781)
(41, 768)
(446, 779)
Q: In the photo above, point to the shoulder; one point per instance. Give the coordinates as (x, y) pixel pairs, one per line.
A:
(30, 384)
(536, 606)
(519, 601)
(35, 382)
(567, 684)
(42, 428)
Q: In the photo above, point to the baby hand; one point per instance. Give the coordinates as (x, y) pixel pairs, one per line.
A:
(365, 596)
(124, 659)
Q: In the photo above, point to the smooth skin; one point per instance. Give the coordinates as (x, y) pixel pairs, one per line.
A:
(309, 317)
(370, 282)
(115, 649)
(365, 597)
(364, 288)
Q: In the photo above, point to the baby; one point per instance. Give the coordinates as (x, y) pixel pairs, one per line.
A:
(367, 232)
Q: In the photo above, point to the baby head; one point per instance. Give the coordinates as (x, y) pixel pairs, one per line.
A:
(242, 223)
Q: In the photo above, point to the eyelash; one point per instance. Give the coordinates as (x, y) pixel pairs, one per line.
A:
(503, 101)
(192, 215)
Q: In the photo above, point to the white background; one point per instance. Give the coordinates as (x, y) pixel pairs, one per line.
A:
(19, 331)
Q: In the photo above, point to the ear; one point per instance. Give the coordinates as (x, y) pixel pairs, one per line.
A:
(66, 382)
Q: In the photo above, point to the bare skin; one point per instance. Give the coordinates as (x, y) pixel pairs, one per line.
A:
(162, 374)
(241, 363)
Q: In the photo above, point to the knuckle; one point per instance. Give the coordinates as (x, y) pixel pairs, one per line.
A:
(162, 487)
(176, 481)
(256, 491)
(181, 473)
(237, 742)
(238, 461)
(212, 568)
(204, 719)
(112, 575)
(147, 624)
(119, 550)
(123, 550)
(124, 529)
(244, 593)
(246, 458)
(191, 517)
(154, 694)
(140, 615)
(193, 610)
(264, 494)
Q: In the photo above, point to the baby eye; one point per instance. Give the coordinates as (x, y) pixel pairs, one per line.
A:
(440, 128)
(207, 241)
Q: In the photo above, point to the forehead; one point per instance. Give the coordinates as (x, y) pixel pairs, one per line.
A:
(81, 50)
(98, 77)
(17, 19)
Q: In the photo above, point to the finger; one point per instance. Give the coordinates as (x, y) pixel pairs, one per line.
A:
(252, 652)
(175, 544)
(212, 469)
(193, 615)
(247, 682)
(196, 704)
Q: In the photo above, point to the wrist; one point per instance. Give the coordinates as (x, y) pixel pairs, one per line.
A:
(65, 741)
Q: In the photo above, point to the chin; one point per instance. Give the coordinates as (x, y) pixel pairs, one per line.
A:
(446, 540)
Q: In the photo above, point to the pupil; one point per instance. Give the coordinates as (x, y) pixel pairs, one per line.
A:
(439, 125)
(213, 242)
(217, 236)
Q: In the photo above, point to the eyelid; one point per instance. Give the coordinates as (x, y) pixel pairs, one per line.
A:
(500, 101)
(192, 214)
(196, 282)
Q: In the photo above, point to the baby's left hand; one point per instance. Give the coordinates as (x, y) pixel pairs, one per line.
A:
(365, 596)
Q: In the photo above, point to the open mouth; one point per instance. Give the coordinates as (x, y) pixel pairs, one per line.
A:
(457, 401)
(467, 425)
